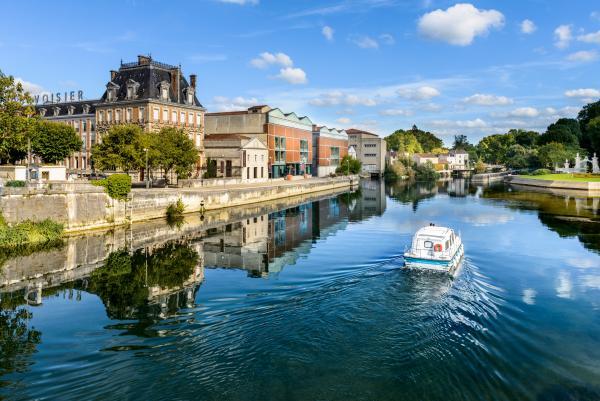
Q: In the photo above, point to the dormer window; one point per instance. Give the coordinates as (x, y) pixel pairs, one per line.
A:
(163, 89)
(42, 112)
(132, 88)
(111, 91)
(189, 95)
(71, 110)
(56, 111)
(86, 109)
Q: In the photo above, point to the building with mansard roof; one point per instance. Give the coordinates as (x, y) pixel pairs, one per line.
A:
(153, 95)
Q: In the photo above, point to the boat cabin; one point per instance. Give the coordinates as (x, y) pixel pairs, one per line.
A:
(432, 241)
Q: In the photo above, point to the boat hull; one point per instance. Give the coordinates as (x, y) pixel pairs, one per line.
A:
(441, 265)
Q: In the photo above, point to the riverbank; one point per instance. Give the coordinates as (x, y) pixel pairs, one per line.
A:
(82, 207)
(592, 188)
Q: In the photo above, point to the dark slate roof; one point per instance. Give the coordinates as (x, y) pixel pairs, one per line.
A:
(149, 75)
(64, 108)
(354, 131)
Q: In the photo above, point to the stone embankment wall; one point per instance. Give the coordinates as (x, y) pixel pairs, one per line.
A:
(592, 187)
(83, 206)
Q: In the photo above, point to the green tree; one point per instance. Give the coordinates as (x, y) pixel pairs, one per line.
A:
(16, 122)
(493, 148)
(403, 141)
(176, 151)
(349, 163)
(593, 134)
(554, 153)
(53, 142)
(565, 131)
(460, 142)
(427, 140)
(527, 139)
(589, 112)
(519, 157)
(121, 148)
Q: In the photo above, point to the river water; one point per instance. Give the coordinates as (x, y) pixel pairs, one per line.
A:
(306, 300)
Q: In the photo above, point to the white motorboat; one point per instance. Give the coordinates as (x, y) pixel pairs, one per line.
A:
(435, 248)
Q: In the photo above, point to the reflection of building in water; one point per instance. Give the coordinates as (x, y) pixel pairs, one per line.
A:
(241, 245)
(266, 244)
(457, 187)
(372, 200)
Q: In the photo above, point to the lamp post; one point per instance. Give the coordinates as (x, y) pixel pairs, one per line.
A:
(146, 172)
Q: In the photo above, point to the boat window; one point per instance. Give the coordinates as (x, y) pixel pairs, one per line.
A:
(428, 244)
(447, 245)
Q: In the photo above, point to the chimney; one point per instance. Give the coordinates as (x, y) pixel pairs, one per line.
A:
(144, 60)
(193, 81)
(113, 74)
(175, 74)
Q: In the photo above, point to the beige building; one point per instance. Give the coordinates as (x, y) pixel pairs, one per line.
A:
(237, 156)
(153, 95)
(370, 150)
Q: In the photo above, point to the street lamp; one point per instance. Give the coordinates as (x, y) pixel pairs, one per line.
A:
(146, 172)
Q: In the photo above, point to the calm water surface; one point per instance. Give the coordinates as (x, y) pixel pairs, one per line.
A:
(307, 301)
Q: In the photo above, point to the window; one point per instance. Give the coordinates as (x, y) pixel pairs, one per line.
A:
(164, 90)
(117, 115)
(174, 117)
(128, 115)
(76, 126)
(370, 155)
(155, 114)
(262, 175)
(165, 116)
(255, 158)
(84, 125)
(141, 114)
(370, 145)
(428, 244)
(199, 119)
(182, 118)
(109, 116)
(303, 151)
(129, 92)
(190, 118)
(335, 156)
(255, 172)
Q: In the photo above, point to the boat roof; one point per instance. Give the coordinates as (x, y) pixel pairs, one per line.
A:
(434, 232)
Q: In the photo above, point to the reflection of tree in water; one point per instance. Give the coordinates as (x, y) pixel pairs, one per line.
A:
(568, 217)
(410, 192)
(125, 280)
(17, 340)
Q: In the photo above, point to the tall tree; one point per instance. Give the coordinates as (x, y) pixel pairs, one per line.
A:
(527, 139)
(54, 142)
(16, 122)
(427, 140)
(593, 134)
(565, 131)
(121, 149)
(586, 115)
(404, 141)
(494, 148)
(460, 142)
(177, 151)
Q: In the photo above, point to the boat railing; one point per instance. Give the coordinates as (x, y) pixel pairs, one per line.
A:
(429, 252)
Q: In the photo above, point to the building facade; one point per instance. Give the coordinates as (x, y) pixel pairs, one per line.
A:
(456, 160)
(80, 115)
(370, 150)
(329, 147)
(153, 95)
(237, 156)
(288, 137)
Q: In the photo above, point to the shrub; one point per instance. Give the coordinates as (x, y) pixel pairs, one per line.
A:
(175, 210)
(29, 233)
(15, 184)
(426, 172)
(117, 186)
(541, 171)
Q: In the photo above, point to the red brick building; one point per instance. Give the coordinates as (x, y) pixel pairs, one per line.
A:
(330, 145)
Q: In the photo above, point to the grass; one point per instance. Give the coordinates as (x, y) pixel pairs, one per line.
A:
(29, 233)
(561, 177)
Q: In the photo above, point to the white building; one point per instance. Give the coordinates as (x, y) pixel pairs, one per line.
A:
(237, 156)
(456, 160)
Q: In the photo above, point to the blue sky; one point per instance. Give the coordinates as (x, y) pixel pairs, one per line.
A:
(472, 68)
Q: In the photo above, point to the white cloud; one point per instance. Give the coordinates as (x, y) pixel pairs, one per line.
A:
(295, 76)
(528, 26)
(240, 2)
(327, 31)
(387, 39)
(590, 37)
(476, 123)
(488, 100)
(335, 98)
(525, 112)
(364, 42)
(564, 286)
(266, 59)
(343, 120)
(583, 56)
(563, 36)
(420, 93)
(584, 92)
(395, 112)
(223, 103)
(459, 24)
(33, 89)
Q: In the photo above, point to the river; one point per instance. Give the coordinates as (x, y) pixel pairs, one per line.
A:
(306, 300)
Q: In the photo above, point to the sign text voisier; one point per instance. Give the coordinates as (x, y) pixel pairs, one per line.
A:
(72, 96)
